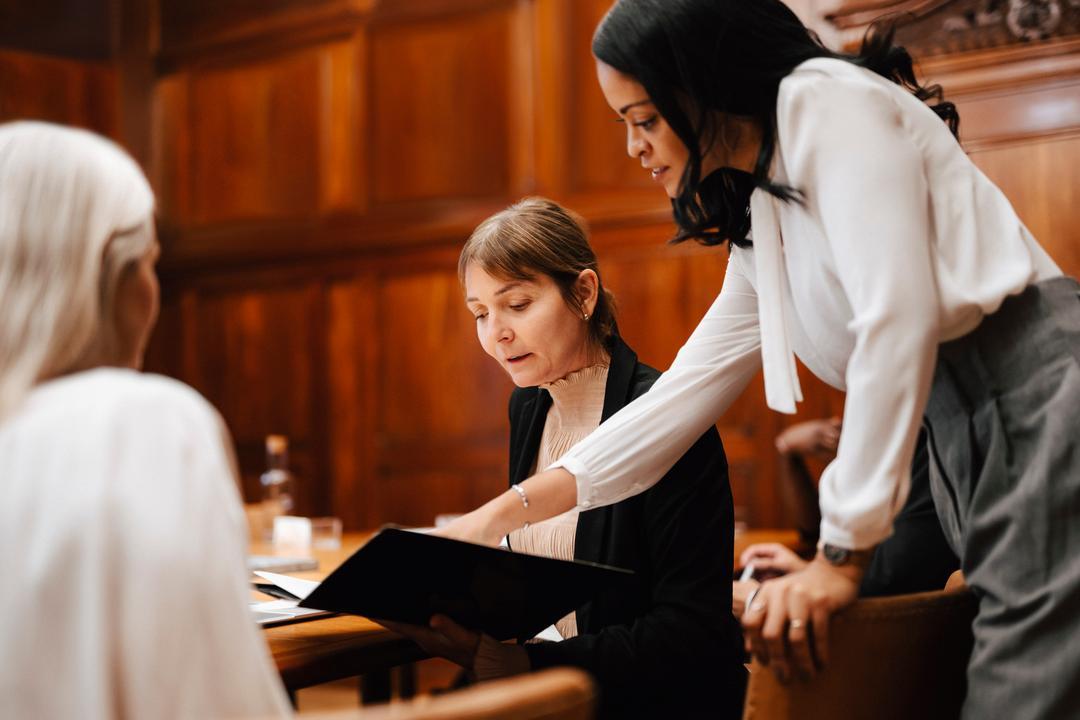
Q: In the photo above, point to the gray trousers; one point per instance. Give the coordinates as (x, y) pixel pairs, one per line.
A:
(1003, 424)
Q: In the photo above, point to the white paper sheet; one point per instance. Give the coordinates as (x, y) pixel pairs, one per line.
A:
(550, 633)
(299, 588)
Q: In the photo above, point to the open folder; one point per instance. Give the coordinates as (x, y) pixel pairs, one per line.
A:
(409, 576)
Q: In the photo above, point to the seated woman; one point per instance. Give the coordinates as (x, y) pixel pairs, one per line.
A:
(122, 532)
(915, 558)
(670, 647)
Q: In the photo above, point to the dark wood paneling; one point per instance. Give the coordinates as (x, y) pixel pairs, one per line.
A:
(318, 170)
(1042, 179)
(35, 87)
(255, 133)
(260, 357)
(599, 158)
(81, 29)
(201, 32)
(442, 98)
(354, 400)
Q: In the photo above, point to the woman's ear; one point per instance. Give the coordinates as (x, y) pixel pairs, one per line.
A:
(588, 290)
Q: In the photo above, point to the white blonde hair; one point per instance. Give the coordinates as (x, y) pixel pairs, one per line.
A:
(75, 211)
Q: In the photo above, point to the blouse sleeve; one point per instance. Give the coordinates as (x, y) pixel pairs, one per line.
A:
(845, 143)
(636, 446)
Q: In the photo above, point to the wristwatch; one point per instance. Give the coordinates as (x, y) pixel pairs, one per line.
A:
(839, 556)
(835, 554)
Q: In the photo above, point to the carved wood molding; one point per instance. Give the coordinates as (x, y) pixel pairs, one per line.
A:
(1004, 69)
(267, 34)
(413, 227)
(299, 24)
(941, 27)
(862, 14)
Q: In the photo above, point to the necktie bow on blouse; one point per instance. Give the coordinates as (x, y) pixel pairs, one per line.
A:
(782, 389)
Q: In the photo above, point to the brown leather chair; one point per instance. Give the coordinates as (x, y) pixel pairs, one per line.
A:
(556, 694)
(894, 657)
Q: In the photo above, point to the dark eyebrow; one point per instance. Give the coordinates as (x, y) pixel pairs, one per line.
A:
(504, 289)
(624, 108)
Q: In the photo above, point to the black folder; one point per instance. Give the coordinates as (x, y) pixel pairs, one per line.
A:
(409, 576)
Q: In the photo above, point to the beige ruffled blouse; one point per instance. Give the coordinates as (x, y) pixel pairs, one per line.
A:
(577, 404)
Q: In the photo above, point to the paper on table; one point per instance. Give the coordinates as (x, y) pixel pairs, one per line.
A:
(275, 612)
(550, 633)
(300, 588)
(278, 612)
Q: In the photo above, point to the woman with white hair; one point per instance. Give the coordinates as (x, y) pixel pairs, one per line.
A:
(122, 537)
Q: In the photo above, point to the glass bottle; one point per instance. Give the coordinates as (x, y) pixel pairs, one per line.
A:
(277, 483)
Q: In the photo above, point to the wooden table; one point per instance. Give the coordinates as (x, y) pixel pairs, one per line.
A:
(327, 649)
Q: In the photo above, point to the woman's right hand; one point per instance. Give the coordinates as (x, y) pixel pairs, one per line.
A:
(772, 558)
(471, 527)
(542, 496)
(814, 437)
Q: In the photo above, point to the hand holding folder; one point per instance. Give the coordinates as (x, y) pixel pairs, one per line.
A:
(407, 577)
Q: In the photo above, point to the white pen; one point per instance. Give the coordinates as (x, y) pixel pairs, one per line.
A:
(747, 573)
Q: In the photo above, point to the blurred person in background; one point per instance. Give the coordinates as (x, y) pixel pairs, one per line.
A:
(915, 558)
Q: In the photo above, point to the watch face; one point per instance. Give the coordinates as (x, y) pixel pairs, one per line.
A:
(836, 555)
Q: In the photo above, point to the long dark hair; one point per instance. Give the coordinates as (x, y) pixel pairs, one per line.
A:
(730, 56)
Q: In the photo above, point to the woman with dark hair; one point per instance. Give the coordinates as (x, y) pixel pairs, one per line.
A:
(866, 242)
(668, 644)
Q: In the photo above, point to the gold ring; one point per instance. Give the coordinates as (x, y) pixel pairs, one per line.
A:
(795, 624)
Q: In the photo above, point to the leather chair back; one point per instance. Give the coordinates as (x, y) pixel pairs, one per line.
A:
(894, 657)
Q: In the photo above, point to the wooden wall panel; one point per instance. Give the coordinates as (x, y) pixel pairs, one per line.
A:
(69, 28)
(344, 156)
(440, 94)
(255, 132)
(189, 22)
(1042, 179)
(260, 362)
(36, 87)
(354, 400)
(599, 148)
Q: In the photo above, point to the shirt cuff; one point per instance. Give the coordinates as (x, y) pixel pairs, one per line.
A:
(833, 534)
(586, 496)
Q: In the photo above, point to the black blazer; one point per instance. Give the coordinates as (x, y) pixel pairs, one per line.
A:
(669, 647)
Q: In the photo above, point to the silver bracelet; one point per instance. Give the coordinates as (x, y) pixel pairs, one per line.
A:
(524, 500)
(521, 491)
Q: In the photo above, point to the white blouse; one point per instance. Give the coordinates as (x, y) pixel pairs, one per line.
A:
(122, 552)
(902, 244)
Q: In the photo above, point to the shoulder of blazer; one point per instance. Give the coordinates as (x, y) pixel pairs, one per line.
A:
(627, 378)
(644, 377)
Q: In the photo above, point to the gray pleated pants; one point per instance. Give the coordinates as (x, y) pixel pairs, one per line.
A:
(1003, 423)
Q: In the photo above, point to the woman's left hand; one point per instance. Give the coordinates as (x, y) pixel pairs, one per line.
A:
(443, 638)
(787, 623)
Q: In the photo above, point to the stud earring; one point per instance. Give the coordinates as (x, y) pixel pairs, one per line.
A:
(585, 317)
